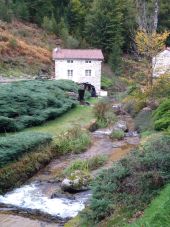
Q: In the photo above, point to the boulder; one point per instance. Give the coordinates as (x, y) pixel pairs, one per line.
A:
(118, 109)
(121, 125)
(77, 181)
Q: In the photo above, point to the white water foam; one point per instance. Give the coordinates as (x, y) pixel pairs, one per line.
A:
(30, 197)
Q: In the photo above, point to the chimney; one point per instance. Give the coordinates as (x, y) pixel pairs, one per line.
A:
(57, 49)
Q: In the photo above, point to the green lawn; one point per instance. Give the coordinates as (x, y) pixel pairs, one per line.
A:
(81, 115)
(158, 213)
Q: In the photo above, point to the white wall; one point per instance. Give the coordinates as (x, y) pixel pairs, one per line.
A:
(79, 67)
(161, 64)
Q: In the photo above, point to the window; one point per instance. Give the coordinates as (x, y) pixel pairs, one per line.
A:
(87, 61)
(70, 73)
(69, 61)
(87, 72)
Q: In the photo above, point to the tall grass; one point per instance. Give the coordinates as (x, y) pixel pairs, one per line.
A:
(104, 113)
(74, 140)
(86, 165)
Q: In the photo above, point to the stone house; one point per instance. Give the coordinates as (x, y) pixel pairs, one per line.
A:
(81, 66)
(161, 63)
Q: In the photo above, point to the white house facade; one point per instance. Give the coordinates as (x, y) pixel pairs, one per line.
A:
(161, 63)
(81, 66)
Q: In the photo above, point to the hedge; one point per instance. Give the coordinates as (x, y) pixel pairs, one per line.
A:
(161, 116)
(30, 103)
(12, 147)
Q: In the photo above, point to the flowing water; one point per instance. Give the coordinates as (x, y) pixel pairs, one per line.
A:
(33, 203)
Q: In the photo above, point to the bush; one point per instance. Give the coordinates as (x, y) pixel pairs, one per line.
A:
(104, 113)
(13, 43)
(30, 103)
(106, 83)
(161, 116)
(133, 181)
(135, 102)
(74, 140)
(143, 121)
(14, 146)
(117, 134)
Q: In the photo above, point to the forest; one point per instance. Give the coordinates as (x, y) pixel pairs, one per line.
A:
(110, 25)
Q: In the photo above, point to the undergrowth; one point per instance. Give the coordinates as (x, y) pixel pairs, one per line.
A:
(132, 182)
(86, 165)
(74, 140)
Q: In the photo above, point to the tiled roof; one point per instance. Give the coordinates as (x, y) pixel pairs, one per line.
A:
(77, 54)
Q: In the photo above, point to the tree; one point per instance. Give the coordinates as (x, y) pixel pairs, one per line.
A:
(104, 25)
(50, 25)
(148, 46)
(147, 14)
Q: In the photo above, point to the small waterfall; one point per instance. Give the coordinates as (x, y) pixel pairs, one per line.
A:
(31, 197)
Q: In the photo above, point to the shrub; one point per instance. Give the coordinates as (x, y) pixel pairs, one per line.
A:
(135, 102)
(104, 113)
(13, 43)
(143, 121)
(30, 103)
(161, 116)
(133, 181)
(106, 83)
(117, 134)
(14, 146)
(74, 140)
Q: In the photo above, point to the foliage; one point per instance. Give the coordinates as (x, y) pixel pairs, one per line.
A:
(103, 113)
(103, 29)
(49, 24)
(135, 101)
(143, 121)
(117, 134)
(161, 116)
(133, 181)
(106, 82)
(149, 44)
(160, 88)
(16, 173)
(86, 165)
(74, 140)
(30, 103)
(158, 212)
(13, 147)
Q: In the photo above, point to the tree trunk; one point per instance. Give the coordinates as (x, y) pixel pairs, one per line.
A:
(155, 15)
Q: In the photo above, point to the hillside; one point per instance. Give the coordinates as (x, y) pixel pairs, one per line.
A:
(25, 49)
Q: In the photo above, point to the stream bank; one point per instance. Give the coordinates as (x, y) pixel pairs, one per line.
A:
(32, 203)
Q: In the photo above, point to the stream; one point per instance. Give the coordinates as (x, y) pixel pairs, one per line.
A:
(33, 204)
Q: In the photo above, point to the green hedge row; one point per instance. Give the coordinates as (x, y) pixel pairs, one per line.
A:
(12, 147)
(30, 103)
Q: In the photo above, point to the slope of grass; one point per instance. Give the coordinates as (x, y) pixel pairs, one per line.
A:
(81, 115)
(14, 146)
(158, 213)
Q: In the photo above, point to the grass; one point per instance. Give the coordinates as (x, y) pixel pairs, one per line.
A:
(158, 213)
(75, 140)
(81, 115)
(86, 165)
